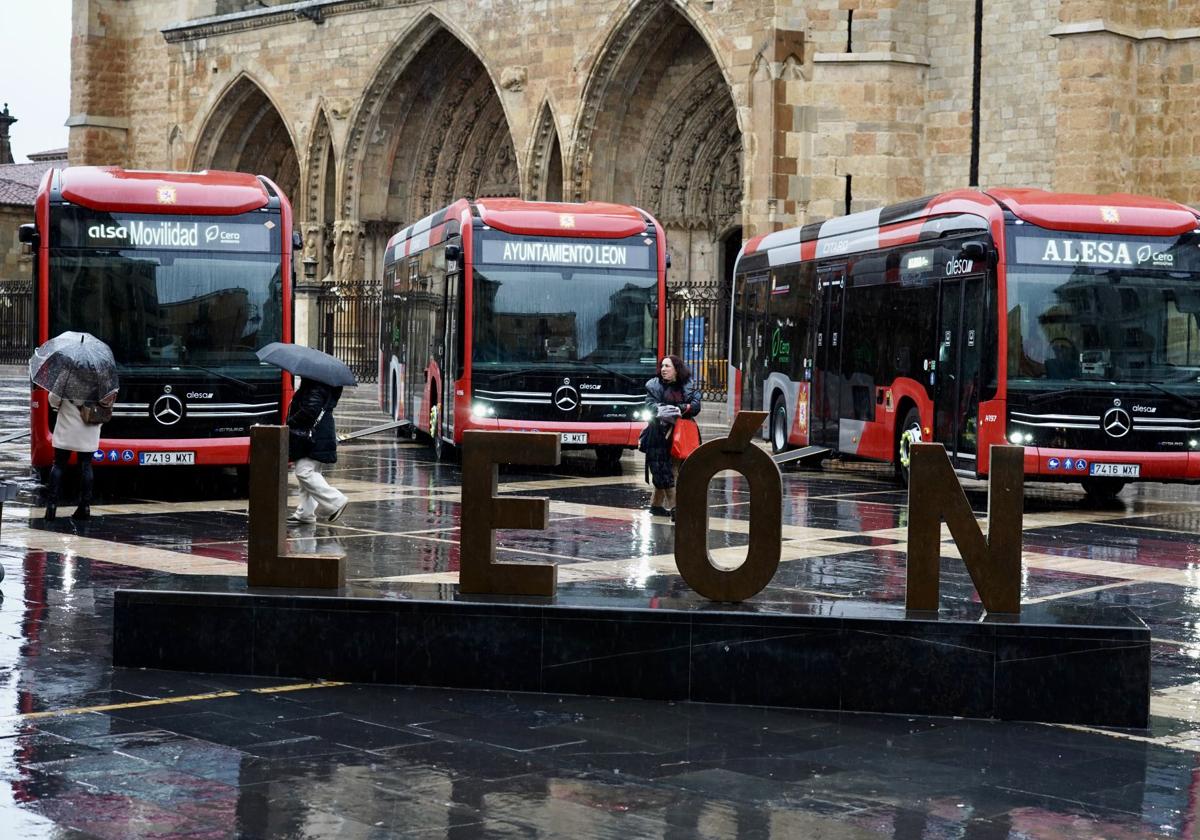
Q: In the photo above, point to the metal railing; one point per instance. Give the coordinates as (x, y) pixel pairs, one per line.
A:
(349, 318)
(697, 332)
(16, 321)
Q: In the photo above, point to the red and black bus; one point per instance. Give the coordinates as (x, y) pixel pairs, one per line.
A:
(515, 315)
(1064, 323)
(184, 275)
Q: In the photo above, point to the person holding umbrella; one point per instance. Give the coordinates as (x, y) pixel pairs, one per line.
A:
(79, 372)
(312, 435)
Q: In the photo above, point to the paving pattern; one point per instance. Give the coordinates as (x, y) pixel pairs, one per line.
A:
(91, 751)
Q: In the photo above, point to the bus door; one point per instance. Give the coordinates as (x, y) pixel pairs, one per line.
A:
(825, 412)
(754, 338)
(452, 362)
(956, 375)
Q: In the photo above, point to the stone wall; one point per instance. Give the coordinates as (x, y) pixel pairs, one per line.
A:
(713, 114)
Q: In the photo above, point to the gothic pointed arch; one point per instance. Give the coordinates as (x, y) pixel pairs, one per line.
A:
(318, 210)
(545, 167)
(430, 128)
(658, 125)
(245, 133)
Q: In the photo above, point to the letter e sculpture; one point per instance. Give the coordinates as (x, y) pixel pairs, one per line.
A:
(483, 512)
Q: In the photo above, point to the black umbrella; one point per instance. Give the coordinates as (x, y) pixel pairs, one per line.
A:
(76, 366)
(308, 363)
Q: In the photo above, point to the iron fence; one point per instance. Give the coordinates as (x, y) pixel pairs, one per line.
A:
(16, 322)
(349, 318)
(697, 331)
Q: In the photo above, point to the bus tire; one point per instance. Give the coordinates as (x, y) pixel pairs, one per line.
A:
(608, 458)
(1102, 489)
(779, 425)
(907, 433)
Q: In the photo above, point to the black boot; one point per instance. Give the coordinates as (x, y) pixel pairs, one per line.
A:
(84, 511)
(52, 493)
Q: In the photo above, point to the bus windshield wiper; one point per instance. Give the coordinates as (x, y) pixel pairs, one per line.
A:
(1175, 395)
(215, 373)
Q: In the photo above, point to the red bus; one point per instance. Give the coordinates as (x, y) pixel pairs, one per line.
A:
(1064, 323)
(515, 315)
(184, 275)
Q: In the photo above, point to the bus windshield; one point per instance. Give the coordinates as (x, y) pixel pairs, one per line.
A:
(1103, 326)
(168, 309)
(567, 316)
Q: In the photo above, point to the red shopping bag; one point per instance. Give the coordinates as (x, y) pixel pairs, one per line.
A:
(685, 439)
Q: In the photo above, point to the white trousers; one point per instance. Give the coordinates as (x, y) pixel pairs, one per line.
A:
(316, 494)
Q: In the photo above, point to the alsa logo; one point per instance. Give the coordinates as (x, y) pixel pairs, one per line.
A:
(1143, 409)
(583, 386)
(108, 232)
(199, 395)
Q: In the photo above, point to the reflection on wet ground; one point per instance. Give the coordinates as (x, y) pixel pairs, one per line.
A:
(89, 751)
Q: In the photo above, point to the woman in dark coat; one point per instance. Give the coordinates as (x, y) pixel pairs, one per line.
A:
(670, 396)
(312, 442)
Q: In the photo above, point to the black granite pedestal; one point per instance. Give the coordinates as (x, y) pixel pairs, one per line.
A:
(1053, 664)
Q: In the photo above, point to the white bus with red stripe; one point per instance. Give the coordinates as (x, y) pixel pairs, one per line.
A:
(1065, 323)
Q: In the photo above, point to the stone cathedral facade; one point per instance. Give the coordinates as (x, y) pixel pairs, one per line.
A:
(724, 118)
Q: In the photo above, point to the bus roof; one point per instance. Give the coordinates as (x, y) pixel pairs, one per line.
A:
(1117, 212)
(138, 191)
(592, 219)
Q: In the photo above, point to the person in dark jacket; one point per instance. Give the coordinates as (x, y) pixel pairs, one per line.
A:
(312, 442)
(670, 396)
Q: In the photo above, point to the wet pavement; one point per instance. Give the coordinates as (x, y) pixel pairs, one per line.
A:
(87, 750)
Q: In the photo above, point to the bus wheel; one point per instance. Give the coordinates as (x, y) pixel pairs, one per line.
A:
(910, 433)
(779, 426)
(1102, 489)
(608, 458)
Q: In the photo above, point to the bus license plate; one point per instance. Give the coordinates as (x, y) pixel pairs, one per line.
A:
(1117, 470)
(166, 459)
(573, 437)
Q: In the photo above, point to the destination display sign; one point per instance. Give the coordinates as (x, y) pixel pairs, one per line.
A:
(166, 233)
(587, 253)
(1070, 249)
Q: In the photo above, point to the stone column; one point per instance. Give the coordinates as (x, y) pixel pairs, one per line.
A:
(99, 119)
(774, 188)
(307, 329)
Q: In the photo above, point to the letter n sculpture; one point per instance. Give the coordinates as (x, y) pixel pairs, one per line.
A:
(994, 561)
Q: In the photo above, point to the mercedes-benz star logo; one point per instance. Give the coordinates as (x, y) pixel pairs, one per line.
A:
(1116, 422)
(566, 398)
(167, 410)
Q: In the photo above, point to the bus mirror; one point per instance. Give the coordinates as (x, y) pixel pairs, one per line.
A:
(668, 263)
(297, 240)
(28, 235)
(453, 253)
(974, 250)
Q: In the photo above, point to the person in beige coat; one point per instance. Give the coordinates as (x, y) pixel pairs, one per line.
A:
(71, 435)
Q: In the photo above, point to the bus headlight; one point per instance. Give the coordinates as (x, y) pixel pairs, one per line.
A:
(1020, 438)
(1194, 443)
(479, 411)
(642, 414)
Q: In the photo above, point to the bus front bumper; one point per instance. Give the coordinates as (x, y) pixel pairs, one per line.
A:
(1076, 464)
(212, 452)
(593, 434)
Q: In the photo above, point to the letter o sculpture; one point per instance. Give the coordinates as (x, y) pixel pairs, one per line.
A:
(736, 452)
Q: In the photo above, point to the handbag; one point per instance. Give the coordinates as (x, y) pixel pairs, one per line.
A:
(95, 415)
(686, 438)
(300, 441)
